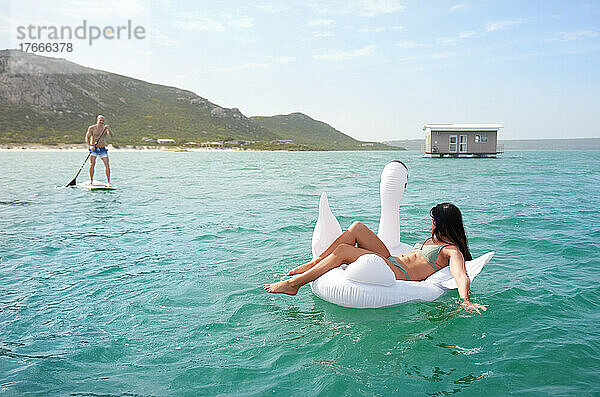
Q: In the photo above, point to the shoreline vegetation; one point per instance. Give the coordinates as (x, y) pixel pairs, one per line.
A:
(82, 148)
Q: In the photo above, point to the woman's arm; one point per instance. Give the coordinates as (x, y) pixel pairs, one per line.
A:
(457, 269)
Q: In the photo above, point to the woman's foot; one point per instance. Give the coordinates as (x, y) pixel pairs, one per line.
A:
(281, 287)
(302, 268)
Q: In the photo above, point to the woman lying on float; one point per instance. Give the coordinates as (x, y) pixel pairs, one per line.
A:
(447, 246)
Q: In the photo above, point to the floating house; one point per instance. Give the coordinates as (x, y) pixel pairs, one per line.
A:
(461, 140)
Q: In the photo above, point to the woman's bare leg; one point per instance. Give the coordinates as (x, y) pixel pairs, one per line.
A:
(343, 253)
(357, 235)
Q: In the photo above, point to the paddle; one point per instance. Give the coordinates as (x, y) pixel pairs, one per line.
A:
(74, 181)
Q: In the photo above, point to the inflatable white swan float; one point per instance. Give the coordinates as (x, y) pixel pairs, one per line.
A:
(369, 282)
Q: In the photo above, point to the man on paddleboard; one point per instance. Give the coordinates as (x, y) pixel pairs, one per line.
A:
(94, 138)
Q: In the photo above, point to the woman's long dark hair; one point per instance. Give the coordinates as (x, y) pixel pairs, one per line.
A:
(449, 225)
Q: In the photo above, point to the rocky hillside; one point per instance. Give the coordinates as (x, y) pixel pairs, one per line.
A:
(52, 100)
(49, 100)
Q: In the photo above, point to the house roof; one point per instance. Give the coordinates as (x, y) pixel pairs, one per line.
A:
(462, 127)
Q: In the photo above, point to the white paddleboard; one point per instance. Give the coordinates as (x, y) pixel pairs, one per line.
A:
(97, 185)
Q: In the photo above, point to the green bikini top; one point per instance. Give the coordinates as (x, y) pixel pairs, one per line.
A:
(430, 252)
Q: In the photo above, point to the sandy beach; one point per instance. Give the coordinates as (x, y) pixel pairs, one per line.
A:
(35, 147)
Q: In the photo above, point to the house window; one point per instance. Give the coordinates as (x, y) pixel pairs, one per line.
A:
(481, 138)
(462, 144)
(452, 143)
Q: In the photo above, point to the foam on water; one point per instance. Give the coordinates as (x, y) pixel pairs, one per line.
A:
(155, 288)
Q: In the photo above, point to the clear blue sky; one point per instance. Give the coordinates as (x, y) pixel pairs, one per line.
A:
(374, 69)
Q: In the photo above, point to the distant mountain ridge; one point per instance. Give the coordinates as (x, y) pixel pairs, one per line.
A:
(49, 100)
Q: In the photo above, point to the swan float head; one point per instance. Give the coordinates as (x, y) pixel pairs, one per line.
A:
(394, 180)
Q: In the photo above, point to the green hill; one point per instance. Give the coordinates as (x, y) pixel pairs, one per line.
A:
(49, 100)
(304, 130)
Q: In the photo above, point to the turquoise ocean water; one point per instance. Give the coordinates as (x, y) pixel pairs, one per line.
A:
(155, 289)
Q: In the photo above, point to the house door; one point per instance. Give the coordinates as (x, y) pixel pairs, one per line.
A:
(452, 144)
(462, 144)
